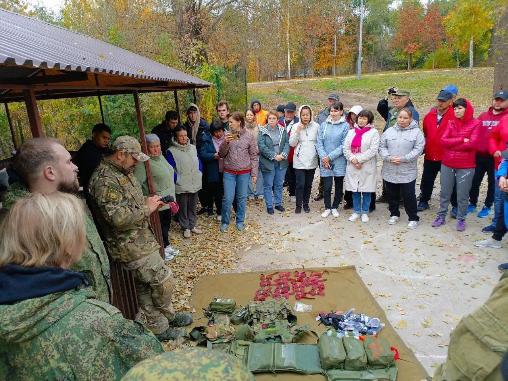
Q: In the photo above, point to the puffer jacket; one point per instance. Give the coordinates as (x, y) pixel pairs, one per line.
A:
(433, 132)
(305, 156)
(406, 143)
(457, 153)
(330, 142)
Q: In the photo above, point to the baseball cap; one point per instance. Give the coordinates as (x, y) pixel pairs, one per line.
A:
(130, 145)
(402, 93)
(503, 94)
(452, 89)
(290, 107)
(444, 95)
(334, 96)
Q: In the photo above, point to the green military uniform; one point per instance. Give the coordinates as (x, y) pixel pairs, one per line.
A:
(70, 336)
(479, 341)
(94, 262)
(190, 364)
(123, 216)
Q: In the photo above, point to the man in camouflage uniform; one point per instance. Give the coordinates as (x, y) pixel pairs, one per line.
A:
(190, 364)
(123, 215)
(45, 166)
(479, 342)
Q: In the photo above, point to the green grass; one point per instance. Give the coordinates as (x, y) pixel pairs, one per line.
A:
(475, 85)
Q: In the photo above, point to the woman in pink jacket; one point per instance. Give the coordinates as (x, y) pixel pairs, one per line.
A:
(460, 141)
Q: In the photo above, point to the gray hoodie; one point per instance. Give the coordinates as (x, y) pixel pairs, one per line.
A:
(408, 144)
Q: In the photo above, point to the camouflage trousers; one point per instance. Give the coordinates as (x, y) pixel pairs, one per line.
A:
(154, 288)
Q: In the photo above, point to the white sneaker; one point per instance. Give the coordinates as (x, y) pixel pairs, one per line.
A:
(326, 213)
(393, 220)
(365, 217)
(187, 233)
(489, 243)
(412, 224)
(354, 217)
(293, 198)
(170, 253)
(335, 213)
(219, 218)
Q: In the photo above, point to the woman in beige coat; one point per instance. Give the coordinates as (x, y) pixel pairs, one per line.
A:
(360, 149)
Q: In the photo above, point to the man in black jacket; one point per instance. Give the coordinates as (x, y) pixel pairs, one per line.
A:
(90, 154)
(165, 129)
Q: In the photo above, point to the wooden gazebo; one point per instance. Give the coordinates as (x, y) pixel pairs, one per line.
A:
(43, 61)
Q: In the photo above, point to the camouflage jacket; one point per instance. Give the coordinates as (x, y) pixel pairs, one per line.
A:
(120, 209)
(70, 336)
(94, 262)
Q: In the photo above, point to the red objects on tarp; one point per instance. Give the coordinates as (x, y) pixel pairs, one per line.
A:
(395, 353)
(301, 284)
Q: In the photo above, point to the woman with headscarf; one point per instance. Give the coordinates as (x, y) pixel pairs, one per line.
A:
(360, 149)
(305, 159)
(162, 175)
(460, 141)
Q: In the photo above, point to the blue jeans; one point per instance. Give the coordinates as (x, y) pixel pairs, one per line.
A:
(274, 180)
(259, 186)
(361, 202)
(235, 186)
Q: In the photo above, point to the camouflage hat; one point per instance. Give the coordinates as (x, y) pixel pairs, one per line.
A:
(130, 145)
(401, 93)
(190, 364)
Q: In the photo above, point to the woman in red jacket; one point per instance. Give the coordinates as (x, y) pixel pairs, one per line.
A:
(459, 141)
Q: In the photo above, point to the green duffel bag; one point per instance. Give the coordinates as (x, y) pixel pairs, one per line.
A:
(331, 351)
(276, 357)
(240, 349)
(386, 374)
(379, 354)
(222, 305)
(356, 359)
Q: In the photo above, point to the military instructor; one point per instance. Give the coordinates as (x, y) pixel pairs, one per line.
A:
(123, 213)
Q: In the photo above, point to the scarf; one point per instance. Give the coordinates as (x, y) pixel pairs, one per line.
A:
(216, 144)
(356, 144)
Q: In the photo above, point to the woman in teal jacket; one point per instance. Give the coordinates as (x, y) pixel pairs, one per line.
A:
(273, 144)
(332, 163)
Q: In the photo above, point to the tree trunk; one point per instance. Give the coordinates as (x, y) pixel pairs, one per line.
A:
(500, 48)
(410, 61)
(471, 46)
(433, 60)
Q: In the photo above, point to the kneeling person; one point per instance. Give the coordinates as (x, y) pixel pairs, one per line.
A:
(123, 214)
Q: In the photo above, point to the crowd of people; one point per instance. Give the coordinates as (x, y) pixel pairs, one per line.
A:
(54, 266)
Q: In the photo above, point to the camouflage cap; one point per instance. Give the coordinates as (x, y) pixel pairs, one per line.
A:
(130, 145)
(190, 364)
(401, 93)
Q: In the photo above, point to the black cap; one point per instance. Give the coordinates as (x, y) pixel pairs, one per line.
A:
(290, 107)
(280, 108)
(334, 96)
(444, 95)
(503, 94)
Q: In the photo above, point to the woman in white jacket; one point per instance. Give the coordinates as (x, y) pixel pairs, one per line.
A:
(360, 150)
(305, 159)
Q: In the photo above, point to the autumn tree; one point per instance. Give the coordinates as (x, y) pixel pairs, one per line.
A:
(408, 29)
(433, 33)
(469, 22)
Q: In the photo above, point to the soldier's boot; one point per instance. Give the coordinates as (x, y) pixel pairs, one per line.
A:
(181, 319)
(172, 333)
(152, 319)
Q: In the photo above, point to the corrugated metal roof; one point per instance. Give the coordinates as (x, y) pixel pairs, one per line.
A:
(29, 42)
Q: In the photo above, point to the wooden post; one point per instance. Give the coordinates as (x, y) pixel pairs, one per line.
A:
(15, 139)
(194, 96)
(33, 113)
(177, 106)
(154, 217)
